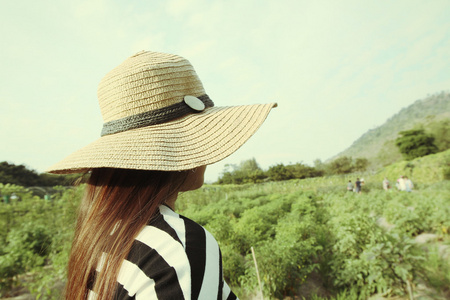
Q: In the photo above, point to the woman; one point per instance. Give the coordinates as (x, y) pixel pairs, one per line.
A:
(160, 131)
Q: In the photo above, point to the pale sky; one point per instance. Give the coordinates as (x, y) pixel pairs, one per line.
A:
(336, 68)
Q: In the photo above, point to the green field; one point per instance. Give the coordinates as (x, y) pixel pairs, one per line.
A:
(311, 237)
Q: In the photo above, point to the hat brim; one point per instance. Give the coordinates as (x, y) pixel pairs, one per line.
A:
(182, 144)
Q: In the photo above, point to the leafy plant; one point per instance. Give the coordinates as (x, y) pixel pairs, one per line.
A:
(415, 143)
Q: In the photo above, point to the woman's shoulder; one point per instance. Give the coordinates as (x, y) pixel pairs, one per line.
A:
(170, 216)
(174, 219)
(169, 224)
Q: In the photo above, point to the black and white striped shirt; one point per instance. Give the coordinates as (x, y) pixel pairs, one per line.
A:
(172, 258)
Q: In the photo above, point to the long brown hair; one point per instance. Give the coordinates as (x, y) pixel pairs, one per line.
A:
(116, 205)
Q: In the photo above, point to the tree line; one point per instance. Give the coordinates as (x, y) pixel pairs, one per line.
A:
(410, 143)
(23, 176)
(249, 171)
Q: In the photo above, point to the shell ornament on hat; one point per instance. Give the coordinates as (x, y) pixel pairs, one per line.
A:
(157, 116)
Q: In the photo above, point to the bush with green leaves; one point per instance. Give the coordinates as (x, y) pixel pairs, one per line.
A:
(415, 143)
(286, 260)
(372, 260)
(36, 239)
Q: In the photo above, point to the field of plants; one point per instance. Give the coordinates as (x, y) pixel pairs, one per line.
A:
(311, 237)
(351, 245)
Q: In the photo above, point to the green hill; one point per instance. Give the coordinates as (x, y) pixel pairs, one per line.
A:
(377, 144)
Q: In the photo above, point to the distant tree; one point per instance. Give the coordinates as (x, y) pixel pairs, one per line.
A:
(17, 174)
(7, 178)
(319, 165)
(251, 172)
(249, 166)
(256, 176)
(22, 176)
(441, 131)
(248, 171)
(361, 164)
(415, 143)
(226, 178)
(230, 175)
(341, 165)
(301, 171)
(279, 172)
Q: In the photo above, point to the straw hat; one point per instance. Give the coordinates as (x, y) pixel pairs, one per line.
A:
(157, 116)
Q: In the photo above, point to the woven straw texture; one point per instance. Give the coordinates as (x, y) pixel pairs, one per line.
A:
(149, 81)
(145, 82)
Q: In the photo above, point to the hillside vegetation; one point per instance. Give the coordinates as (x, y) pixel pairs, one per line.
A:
(377, 144)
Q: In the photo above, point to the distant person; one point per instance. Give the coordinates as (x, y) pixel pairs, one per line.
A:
(386, 185)
(401, 184)
(358, 186)
(408, 184)
(362, 181)
(350, 186)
